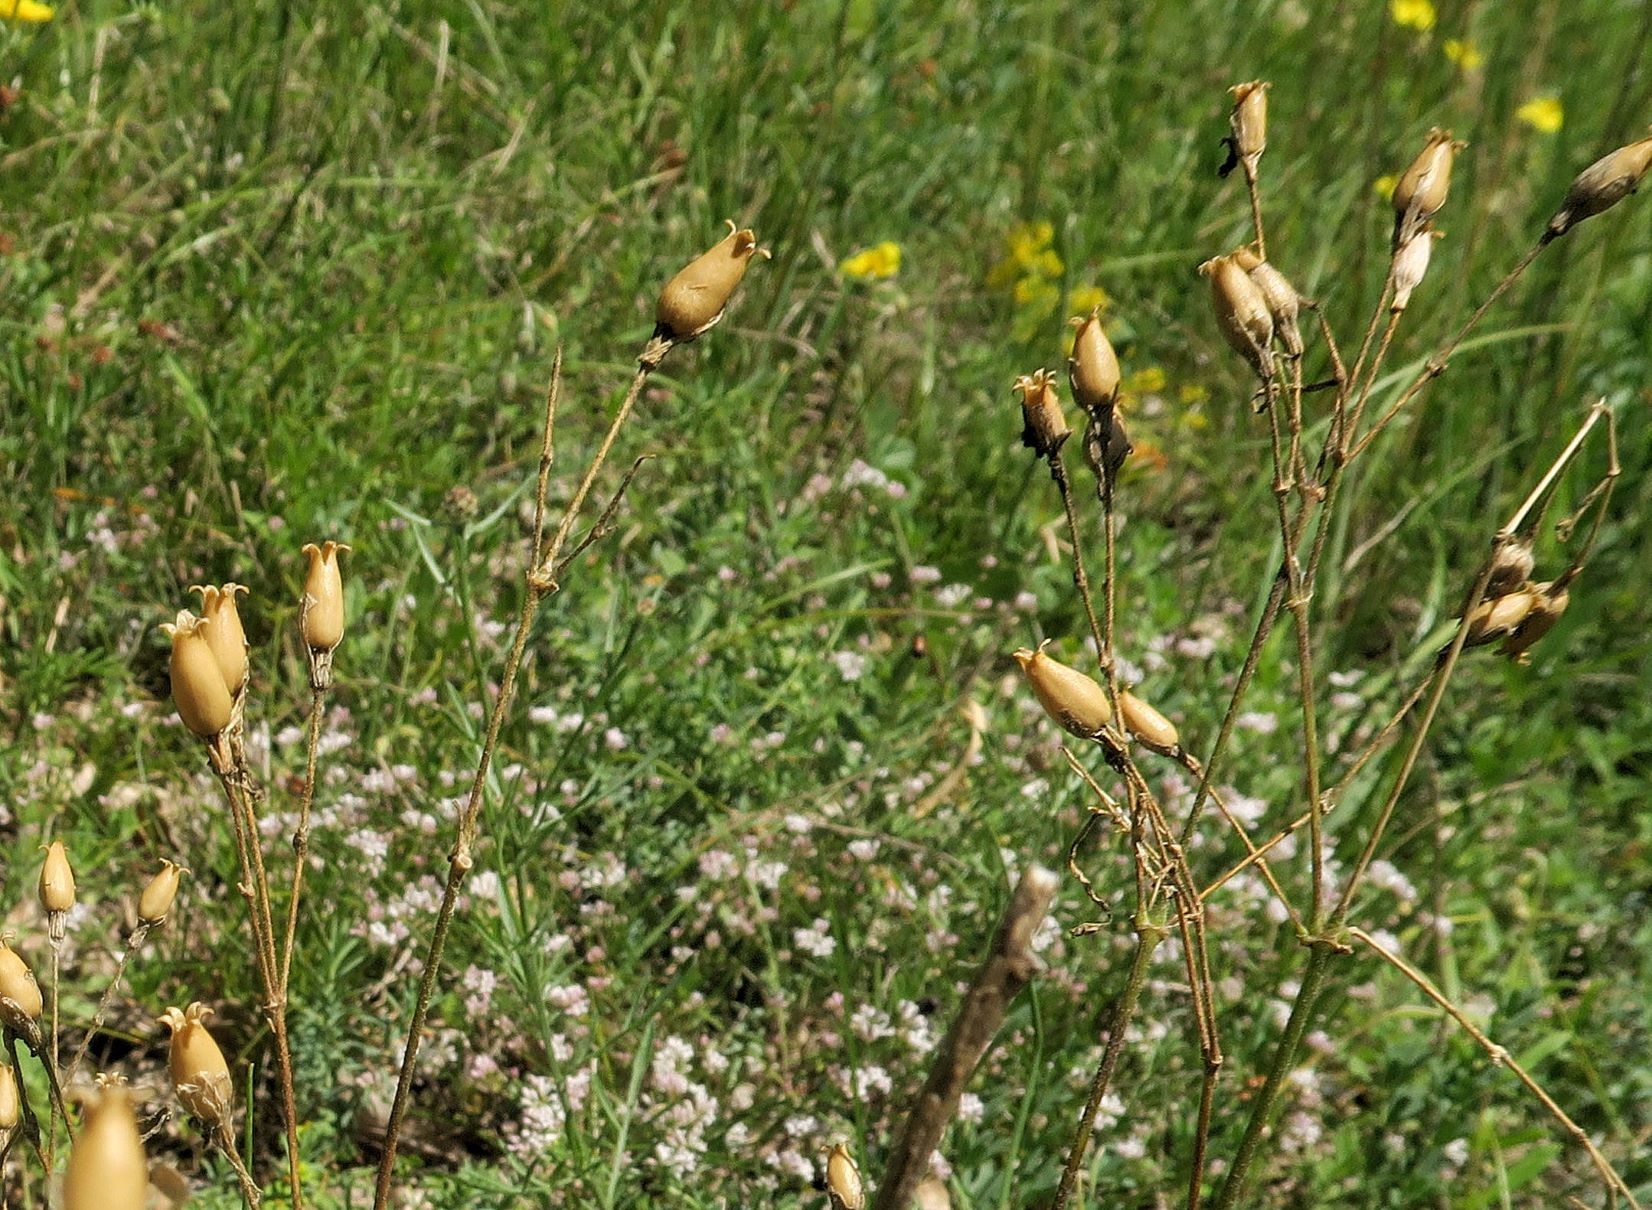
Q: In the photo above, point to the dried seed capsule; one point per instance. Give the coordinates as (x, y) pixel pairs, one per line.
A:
(1410, 264)
(1493, 619)
(107, 1167)
(1043, 427)
(200, 1076)
(1511, 567)
(931, 1194)
(1602, 185)
(1249, 121)
(1550, 603)
(198, 689)
(1093, 369)
(57, 880)
(694, 299)
(1146, 723)
(1106, 444)
(1284, 303)
(20, 993)
(1241, 312)
(322, 613)
(11, 1106)
(157, 897)
(1422, 188)
(1074, 700)
(224, 634)
(843, 1183)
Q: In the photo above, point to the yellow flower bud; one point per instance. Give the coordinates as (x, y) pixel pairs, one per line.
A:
(11, 1105)
(1241, 312)
(1249, 121)
(1284, 303)
(1497, 617)
(19, 990)
(198, 689)
(57, 880)
(200, 1076)
(931, 1194)
(843, 1183)
(224, 634)
(157, 897)
(1548, 604)
(107, 1167)
(1071, 698)
(1044, 427)
(321, 617)
(1146, 723)
(1422, 188)
(694, 299)
(1410, 264)
(1603, 185)
(1093, 369)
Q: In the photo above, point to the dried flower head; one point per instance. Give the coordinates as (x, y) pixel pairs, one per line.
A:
(198, 689)
(107, 1168)
(1093, 369)
(1284, 303)
(1422, 188)
(1147, 724)
(1076, 701)
(1106, 444)
(694, 299)
(1410, 265)
(57, 880)
(1603, 185)
(1550, 601)
(1044, 427)
(20, 1002)
(1249, 121)
(1241, 311)
(1511, 566)
(843, 1183)
(1497, 617)
(322, 612)
(224, 633)
(200, 1076)
(156, 900)
(11, 1105)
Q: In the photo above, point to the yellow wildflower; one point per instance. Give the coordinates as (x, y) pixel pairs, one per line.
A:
(1193, 393)
(1085, 299)
(1029, 252)
(883, 260)
(26, 10)
(1542, 113)
(1146, 381)
(1413, 14)
(1384, 186)
(1034, 290)
(1463, 53)
(1027, 240)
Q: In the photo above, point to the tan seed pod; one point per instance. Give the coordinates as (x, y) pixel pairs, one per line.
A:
(1511, 567)
(1249, 120)
(1410, 265)
(224, 633)
(931, 1194)
(1422, 187)
(1241, 312)
(1603, 185)
(1497, 617)
(57, 880)
(1106, 444)
(321, 616)
(1550, 604)
(1284, 303)
(17, 986)
(200, 1076)
(1146, 723)
(694, 299)
(1044, 426)
(1071, 698)
(198, 689)
(107, 1168)
(843, 1183)
(11, 1105)
(156, 900)
(1093, 369)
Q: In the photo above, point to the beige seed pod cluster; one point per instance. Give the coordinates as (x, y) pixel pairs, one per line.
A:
(107, 1168)
(1044, 426)
(693, 300)
(1422, 188)
(1241, 312)
(224, 633)
(158, 893)
(1284, 303)
(11, 1104)
(1106, 444)
(1249, 122)
(203, 699)
(1497, 617)
(57, 880)
(1147, 724)
(322, 612)
(1602, 185)
(1548, 604)
(843, 1183)
(20, 1002)
(1076, 701)
(1093, 369)
(200, 1076)
(1411, 264)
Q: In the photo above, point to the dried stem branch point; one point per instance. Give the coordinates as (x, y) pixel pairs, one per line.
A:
(1076, 701)
(694, 299)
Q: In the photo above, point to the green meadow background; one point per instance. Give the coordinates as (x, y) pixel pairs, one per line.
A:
(278, 272)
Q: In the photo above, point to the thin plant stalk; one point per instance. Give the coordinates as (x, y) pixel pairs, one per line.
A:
(541, 582)
(301, 835)
(225, 1138)
(133, 944)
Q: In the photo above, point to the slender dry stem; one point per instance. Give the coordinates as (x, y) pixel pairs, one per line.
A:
(301, 835)
(133, 944)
